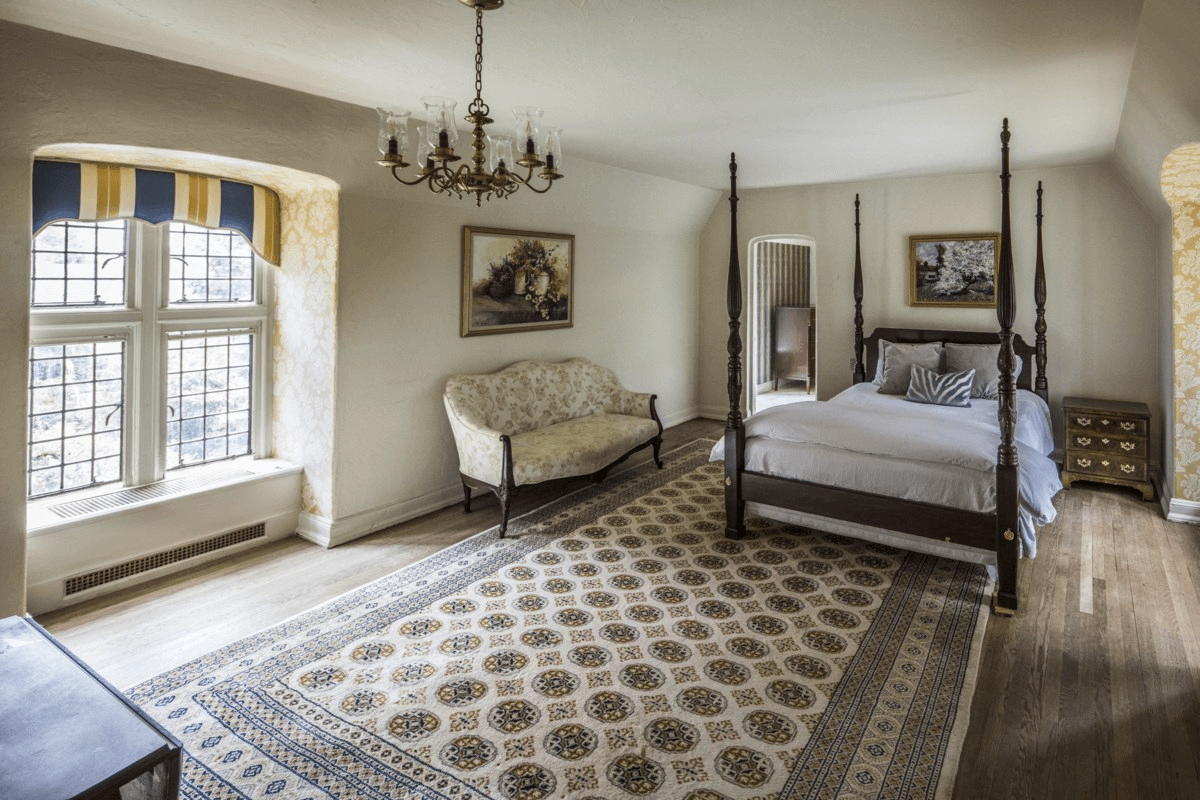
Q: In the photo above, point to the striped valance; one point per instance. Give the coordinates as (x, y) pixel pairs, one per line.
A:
(93, 192)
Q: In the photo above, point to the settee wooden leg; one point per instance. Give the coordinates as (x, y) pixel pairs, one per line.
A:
(657, 445)
(466, 498)
(504, 501)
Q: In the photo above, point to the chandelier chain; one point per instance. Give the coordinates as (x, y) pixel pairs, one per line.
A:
(477, 105)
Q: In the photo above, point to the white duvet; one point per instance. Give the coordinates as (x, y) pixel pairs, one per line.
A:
(884, 444)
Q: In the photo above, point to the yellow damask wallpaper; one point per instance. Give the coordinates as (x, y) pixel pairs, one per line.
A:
(1181, 187)
(306, 338)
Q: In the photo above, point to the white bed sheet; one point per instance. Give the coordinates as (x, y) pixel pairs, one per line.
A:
(868, 442)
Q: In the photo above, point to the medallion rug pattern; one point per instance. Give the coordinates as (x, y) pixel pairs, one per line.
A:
(615, 645)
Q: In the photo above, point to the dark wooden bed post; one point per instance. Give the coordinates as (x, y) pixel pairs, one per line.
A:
(1005, 600)
(1039, 299)
(860, 369)
(735, 432)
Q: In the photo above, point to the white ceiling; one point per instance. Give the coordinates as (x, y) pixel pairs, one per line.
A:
(806, 91)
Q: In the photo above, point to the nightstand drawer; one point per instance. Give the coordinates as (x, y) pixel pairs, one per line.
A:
(1107, 465)
(1095, 423)
(1105, 443)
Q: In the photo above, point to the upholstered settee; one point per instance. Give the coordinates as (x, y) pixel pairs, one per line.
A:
(536, 421)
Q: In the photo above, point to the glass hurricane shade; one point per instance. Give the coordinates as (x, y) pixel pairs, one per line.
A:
(528, 118)
(393, 132)
(439, 121)
(500, 152)
(551, 149)
(424, 149)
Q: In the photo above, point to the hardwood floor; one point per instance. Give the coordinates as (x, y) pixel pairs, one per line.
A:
(1091, 691)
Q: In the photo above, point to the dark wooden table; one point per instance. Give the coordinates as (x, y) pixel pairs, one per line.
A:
(66, 733)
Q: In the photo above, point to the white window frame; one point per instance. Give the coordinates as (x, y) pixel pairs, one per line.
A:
(143, 325)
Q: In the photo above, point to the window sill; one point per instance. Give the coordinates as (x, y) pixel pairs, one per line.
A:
(60, 512)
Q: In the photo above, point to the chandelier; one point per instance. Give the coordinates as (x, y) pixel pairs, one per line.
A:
(491, 171)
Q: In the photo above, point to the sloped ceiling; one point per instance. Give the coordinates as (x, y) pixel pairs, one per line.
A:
(806, 91)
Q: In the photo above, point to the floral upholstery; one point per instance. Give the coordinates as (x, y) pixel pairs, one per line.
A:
(564, 419)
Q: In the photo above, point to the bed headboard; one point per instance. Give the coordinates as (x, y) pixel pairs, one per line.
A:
(917, 336)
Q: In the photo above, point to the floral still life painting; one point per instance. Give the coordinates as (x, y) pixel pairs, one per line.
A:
(955, 270)
(516, 281)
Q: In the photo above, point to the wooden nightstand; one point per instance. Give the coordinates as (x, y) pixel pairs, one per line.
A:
(1107, 441)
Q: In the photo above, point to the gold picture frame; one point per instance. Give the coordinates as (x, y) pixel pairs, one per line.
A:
(953, 270)
(516, 281)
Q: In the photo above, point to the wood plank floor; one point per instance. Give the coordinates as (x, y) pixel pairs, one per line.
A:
(1091, 691)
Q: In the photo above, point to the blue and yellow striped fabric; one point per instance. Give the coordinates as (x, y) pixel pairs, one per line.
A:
(93, 192)
(951, 389)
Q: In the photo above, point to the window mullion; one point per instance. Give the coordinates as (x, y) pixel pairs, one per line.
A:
(148, 363)
(263, 379)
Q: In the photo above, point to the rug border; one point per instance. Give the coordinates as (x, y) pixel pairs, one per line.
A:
(962, 718)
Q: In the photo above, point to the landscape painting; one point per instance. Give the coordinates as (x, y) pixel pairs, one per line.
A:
(953, 270)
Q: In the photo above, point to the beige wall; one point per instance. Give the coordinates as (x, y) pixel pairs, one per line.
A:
(397, 274)
(635, 287)
(1103, 306)
(1161, 113)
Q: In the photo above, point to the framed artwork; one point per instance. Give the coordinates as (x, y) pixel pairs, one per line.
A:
(516, 281)
(953, 270)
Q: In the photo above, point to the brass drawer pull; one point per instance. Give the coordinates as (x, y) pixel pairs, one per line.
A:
(1085, 421)
(1104, 422)
(1104, 441)
(1128, 426)
(1104, 463)
(1083, 462)
(1127, 468)
(1129, 445)
(1083, 440)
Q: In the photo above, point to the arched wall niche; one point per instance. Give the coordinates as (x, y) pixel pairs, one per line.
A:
(1180, 181)
(305, 300)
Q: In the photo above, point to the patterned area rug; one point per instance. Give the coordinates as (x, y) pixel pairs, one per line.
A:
(616, 645)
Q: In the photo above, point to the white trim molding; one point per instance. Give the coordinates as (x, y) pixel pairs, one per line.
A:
(328, 532)
(1185, 511)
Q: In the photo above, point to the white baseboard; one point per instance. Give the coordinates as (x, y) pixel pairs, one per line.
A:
(719, 413)
(328, 532)
(679, 417)
(1185, 511)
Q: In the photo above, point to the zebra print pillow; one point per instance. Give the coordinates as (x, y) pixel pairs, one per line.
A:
(951, 389)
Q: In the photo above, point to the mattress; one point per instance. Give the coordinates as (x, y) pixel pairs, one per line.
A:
(883, 444)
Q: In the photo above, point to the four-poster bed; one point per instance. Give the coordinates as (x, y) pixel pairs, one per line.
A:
(869, 463)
